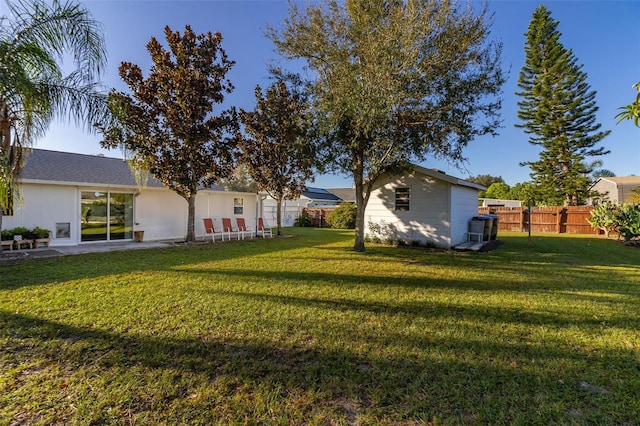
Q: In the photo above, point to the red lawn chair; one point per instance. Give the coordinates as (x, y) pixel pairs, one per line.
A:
(209, 229)
(262, 230)
(242, 227)
(228, 228)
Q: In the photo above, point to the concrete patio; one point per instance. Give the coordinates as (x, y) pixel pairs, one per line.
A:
(39, 253)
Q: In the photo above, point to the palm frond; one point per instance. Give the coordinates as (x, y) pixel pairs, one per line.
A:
(60, 29)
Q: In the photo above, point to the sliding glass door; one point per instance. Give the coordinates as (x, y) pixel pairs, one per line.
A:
(106, 216)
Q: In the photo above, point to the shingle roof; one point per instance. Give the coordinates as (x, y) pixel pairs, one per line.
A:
(345, 194)
(55, 166)
(624, 180)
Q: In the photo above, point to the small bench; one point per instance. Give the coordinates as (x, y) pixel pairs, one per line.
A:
(8, 243)
(20, 243)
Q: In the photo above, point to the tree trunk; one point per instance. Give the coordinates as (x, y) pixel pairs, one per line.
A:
(358, 244)
(279, 215)
(191, 234)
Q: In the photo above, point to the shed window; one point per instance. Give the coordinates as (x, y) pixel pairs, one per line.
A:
(403, 199)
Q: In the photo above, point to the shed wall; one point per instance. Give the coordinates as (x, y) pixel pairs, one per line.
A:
(464, 205)
(607, 190)
(428, 219)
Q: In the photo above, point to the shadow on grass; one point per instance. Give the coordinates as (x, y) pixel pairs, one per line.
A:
(454, 380)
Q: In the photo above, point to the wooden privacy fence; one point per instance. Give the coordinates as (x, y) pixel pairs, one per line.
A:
(559, 220)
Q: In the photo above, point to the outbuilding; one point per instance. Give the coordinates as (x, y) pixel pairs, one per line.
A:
(615, 189)
(87, 198)
(424, 205)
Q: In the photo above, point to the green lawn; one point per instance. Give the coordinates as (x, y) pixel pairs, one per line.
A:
(302, 330)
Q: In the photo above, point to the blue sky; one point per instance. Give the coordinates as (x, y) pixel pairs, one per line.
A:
(604, 36)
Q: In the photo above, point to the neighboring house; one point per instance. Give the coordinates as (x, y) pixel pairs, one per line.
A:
(494, 202)
(347, 195)
(311, 198)
(86, 198)
(426, 205)
(319, 198)
(615, 189)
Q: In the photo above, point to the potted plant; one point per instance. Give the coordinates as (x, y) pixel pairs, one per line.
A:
(22, 236)
(41, 236)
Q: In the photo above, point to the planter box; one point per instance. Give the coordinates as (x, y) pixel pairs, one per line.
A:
(44, 242)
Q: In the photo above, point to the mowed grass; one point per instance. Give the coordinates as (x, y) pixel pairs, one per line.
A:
(302, 330)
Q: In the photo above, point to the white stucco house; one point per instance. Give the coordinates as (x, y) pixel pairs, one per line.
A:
(425, 205)
(87, 199)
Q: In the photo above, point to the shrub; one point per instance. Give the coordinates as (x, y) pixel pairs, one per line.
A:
(628, 218)
(304, 220)
(604, 217)
(7, 234)
(343, 217)
(623, 219)
(21, 230)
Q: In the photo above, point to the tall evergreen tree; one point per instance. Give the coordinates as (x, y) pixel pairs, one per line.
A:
(558, 112)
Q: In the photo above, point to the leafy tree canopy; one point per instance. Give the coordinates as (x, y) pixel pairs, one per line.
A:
(498, 190)
(169, 123)
(277, 149)
(631, 111)
(394, 82)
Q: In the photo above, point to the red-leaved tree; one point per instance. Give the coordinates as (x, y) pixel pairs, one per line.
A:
(168, 122)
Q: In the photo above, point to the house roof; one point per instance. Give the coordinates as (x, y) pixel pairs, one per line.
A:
(345, 194)
(80, 169)
(623, 180)
(319, 194)
(437, 174)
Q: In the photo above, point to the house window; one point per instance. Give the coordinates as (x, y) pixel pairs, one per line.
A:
(403, 199)
(237, 206)
(63, 230)
(106, 216)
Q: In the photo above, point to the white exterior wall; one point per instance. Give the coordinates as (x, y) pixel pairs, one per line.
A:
(44, 206)
(217, 204)
(160, 213)
(428, 219)
(464, 205)
(291, 209)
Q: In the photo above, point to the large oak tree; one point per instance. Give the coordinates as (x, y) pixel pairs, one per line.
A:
(394, 82)
(168, 122)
